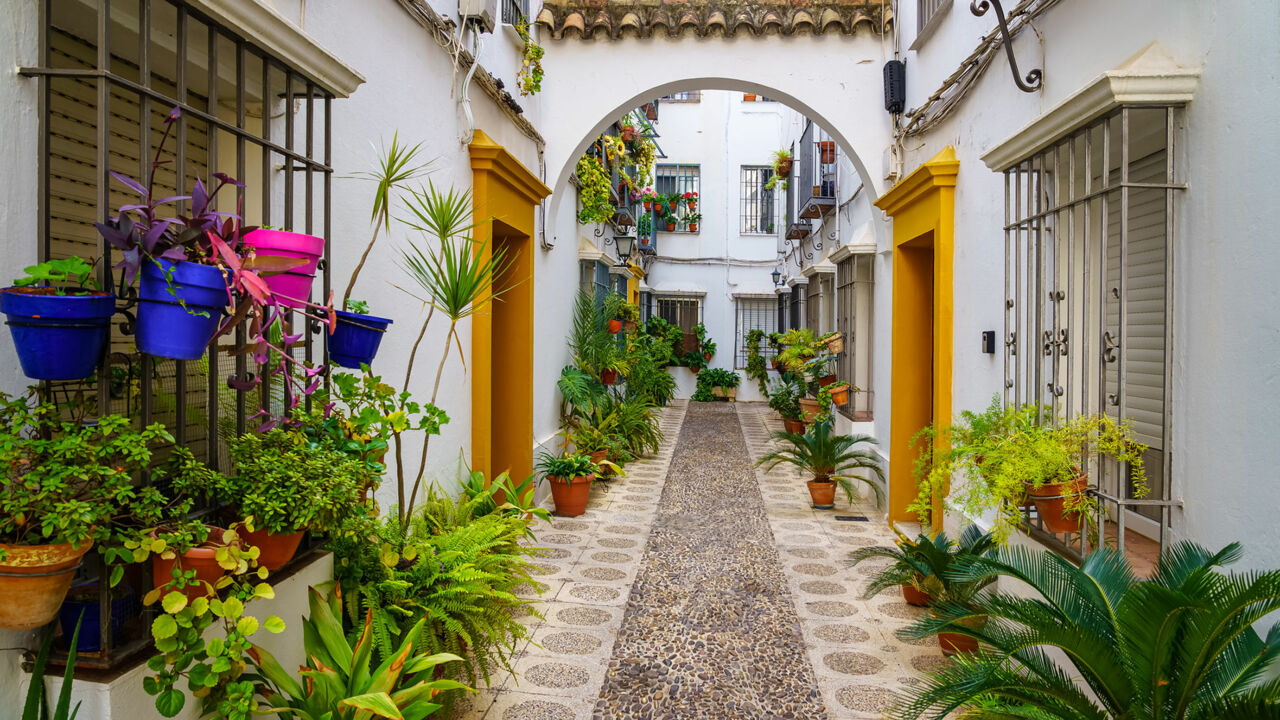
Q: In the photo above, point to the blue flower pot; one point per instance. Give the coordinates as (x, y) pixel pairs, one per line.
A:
(181, 323)
(58, 337)
(90, 640)
(355, 339)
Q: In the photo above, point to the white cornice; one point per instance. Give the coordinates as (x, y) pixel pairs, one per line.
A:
(846, 251)
(1151, 77)
(822, 267)
(262, 25)
(798, 281)
(587, 250)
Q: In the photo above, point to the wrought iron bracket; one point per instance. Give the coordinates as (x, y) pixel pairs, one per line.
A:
(1035, 78)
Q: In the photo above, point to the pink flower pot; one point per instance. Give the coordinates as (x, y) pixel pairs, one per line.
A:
(293, 286)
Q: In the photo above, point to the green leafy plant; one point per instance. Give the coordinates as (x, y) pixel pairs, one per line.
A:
(756, 368)
(360, 307)
(73, 276)
(830, 458)
(785, 399)
(644, 225)
(1096, 642)
(928, 564)
(692, 218)
(798, 347)
(36, 706)
(529, 77)
(340, 681)
(593, 191)
(782, 161)
(648, 379)
(567, 467)
(285, 483)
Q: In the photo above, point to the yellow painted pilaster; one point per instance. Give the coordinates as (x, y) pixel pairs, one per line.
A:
(922, 207)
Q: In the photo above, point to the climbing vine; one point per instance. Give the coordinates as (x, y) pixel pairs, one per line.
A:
(530, 76)
(593, 192)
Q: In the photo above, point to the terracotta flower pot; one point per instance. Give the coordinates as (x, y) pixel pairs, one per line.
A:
(693, 227)
(707, 356)
(809, 409)
(671, 227)
(276, 549)
(1051, 503)
(34, 580)
(202, 559)
(793, 426)
(571, 497)
(841, 396)
(693, 204)
(823, 494)
(827, 150)
(648, 204)
(784, 167)
(598, 456)
(955, 643)
(608, 377)
(615, 327)
(628, 133)
(695, 369)
(919, 598)
(826, 380)
(657, 207)
(748, 97)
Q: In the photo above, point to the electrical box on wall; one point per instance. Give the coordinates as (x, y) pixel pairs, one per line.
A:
(895, 86)
(480, 13)
(989, 342)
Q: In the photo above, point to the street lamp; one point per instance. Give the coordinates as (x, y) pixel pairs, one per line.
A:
(623, 243)
(777, 277)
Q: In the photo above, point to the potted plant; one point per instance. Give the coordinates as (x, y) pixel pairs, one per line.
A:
(629, 313)
(827, 151)
(839, 392)
(830, 458)
(785, 401)
(627, 133)
(926, 569)
(818, 368)
(692, 220)
(356, 335)
(284, 486)
(660, 202)
(188, 557)
(834, 341)
(671, 220)
(59, 319)
(292, 287)
(798, 346)
(748, 97)
(570, 476)
(613, 311)
(721, 383)
(66, 486)
(707, 347)
(690, 200)
(782, 162)
(647, 196)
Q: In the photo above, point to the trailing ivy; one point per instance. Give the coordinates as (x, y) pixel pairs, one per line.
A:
(593, 191)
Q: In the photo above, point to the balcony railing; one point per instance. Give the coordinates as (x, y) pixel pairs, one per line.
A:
(817, 173)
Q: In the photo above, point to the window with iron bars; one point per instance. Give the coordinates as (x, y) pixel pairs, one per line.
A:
(753, 314)
(676, 180)
(245, 113)
(514, 11)
(1089, 247)
(817, 304)
(854, 293)
(688, 96)
(684, 311)
(594, 278)
(926, 10)
(759, 204)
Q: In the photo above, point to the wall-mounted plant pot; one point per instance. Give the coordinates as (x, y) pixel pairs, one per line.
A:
(822, 493)
(809, 409)
(608, 377)
(783, 167)
(915, 597)
(571, 496)
(34, 580)
(293, 286)
(693, 227)
(657, 207)
(630, 326)
(275, 550)
(58, 337)
(827, 151)
(707, 356)
(748, 97)
(671, 227)
(840, 396)
(693, 204)
(615, 327)
(835, 343)
(203, 560)
(817, 191)
(179, 324)
(356, 338)
(690, 342)
(826, 380)
(82, 602)
(1051, 499)
(648, 205)
(628, 133)
(792, 425)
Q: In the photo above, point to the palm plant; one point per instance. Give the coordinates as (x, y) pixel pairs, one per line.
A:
(1177, 646)
(926, 564)
(338, 683)
(830, 457)
(459, 279)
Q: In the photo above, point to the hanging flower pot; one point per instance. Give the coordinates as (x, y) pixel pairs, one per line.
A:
(58, 337)
(615, 327)
(693, 204)
(293, 286)
(628, 133)
(784, 166)
(835, 342)
(707, 356)
(827, 149)
(693, 227)
(840, 395)
(648, 204)
(179, 324)
(657, 207)
(1051, 499)
(356, 338)
(275, 549)
(608, 377)
(571, 495)
(822, 493)
(34, 580)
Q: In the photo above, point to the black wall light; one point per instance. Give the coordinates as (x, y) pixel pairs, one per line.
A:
(989, 342)
(777, 277)
(895, 86)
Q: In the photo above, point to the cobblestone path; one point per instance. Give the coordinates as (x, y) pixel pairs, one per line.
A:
(701, 587)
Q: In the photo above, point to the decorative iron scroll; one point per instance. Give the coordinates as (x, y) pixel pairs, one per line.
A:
(1035, 77)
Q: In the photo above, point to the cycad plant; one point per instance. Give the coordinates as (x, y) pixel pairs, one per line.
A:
(830, 457)
(459, 277)
(926, 564)
(1178, 646)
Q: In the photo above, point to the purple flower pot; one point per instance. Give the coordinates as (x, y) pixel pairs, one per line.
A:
(293, 286)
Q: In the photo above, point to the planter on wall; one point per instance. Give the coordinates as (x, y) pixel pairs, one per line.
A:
(34, 580)
(827, 151)
(179, 324)
(693, 227)
(293, 286)
(356, 338)
(835, 343)
(58, 337)
(840, 396)
(1050, 501)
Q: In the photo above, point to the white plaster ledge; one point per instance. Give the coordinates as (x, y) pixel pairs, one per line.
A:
(1151, 77)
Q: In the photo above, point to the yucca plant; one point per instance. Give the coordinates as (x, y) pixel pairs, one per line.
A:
(37, 705)
(458, 278)
(337, 683)
(926, 564)
(830, 457)
(1177, 646)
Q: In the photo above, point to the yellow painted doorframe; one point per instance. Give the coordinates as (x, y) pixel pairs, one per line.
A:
(922, 207)
(504, 194)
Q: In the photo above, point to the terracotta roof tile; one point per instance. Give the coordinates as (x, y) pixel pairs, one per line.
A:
(644, 18)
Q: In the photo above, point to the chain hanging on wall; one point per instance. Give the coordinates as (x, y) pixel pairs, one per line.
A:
(1035, 78)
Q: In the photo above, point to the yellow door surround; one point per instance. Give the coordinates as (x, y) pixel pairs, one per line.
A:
(922, 207)
(504, 194)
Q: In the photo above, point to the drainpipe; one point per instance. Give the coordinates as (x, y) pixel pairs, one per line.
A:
(465, 100)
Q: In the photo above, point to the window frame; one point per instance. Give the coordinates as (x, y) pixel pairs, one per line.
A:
(752, 179)
(680, 301)
(680, 172)
(764, 311)
(855, 318)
